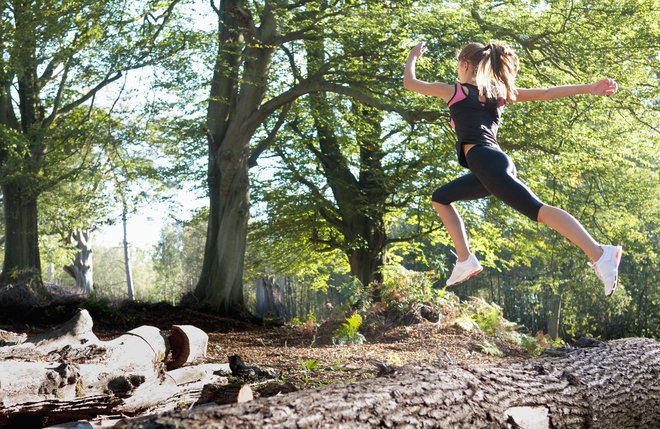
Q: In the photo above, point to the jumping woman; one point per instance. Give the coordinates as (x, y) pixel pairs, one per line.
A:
(487, 82)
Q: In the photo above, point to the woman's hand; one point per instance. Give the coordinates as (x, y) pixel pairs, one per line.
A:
(418, 50)
(605, 86)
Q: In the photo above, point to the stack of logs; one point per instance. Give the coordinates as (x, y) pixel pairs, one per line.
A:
(68, 374)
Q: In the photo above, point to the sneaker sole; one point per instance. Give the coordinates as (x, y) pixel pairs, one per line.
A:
(473, 273)
(618, 260)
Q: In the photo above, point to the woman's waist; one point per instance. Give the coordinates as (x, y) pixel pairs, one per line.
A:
(480, 135)
(477, 142)
(465, 147)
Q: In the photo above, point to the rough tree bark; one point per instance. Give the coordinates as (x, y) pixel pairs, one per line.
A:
(22, 247)
(615, 385)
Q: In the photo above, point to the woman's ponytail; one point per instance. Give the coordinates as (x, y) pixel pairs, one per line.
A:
(496, 67)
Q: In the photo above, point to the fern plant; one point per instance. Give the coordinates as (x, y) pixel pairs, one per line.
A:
(489, 348)
(348, 332)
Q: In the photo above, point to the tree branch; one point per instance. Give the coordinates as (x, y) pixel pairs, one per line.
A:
(636, 116)
(68, 107)
(264, 144)
(292, 62)
(310, 85)
(412, 237)
(365, 97)
(322, 203)
(7, 113)
(58, 97)
(315, 24)
(214, 7)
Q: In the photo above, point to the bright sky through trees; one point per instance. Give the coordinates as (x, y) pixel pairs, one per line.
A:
(144, 226)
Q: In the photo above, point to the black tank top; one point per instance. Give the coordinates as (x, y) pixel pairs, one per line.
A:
(474, 122)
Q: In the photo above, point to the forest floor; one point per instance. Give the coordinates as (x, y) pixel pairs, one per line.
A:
(303, 353)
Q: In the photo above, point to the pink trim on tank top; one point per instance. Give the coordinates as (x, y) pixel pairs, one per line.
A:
(459, 95)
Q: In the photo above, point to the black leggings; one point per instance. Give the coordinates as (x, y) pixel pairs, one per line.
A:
(492, 173)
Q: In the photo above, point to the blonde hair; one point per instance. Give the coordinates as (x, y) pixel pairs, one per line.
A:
(496, 66)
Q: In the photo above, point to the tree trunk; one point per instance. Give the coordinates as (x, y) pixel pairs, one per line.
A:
(270, 299)
(221, 281)
(229, 130)
(554, 316)
(366, 265)
(616, 385)
(82, 268)
(373, 184)
(127, 257)
(22, 261)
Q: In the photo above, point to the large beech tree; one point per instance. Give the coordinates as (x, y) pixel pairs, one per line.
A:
(246, 89)
(55, 56)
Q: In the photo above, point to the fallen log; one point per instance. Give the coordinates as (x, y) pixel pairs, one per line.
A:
(615, 385)
(68, 373)
(70, 362)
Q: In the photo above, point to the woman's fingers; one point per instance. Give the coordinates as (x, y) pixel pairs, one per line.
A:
(419, 49)
(606, 86)
(613, 86)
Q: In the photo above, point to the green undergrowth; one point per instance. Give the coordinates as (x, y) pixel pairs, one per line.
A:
(409, 298)
(349, 331)
(408, 302)
(478, 316)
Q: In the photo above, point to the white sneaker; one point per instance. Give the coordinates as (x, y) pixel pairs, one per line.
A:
(464, 270)
(607, 267)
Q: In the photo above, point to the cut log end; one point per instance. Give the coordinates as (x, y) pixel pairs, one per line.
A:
(244, 394)
(188, 345)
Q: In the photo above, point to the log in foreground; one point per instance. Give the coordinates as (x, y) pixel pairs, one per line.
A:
(68, 373)
(614, 385)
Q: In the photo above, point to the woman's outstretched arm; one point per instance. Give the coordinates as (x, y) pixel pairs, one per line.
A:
(602, 87)
(410, 81)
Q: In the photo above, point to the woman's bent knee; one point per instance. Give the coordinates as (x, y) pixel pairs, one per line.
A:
(440, 197)
(534, 213)
(440, 207)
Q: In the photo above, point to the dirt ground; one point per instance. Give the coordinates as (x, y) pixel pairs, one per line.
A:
(304, 354)
(311, 360)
